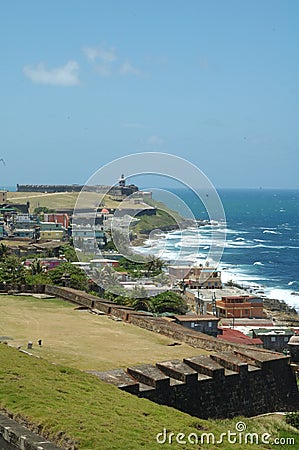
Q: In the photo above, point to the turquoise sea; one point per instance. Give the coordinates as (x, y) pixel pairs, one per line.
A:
(262, 240)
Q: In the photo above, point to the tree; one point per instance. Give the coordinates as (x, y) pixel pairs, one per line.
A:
(12, 271)
(4, 251)
(78, 278)
(141, 303)
(36, 267)
(110, 246)
(69, 252)
(154, 266)
(107, 278)
(38, 278)
(42, 209)
(169, 302)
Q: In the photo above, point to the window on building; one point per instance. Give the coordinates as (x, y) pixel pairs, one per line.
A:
(192, 324)
(273, 338)
(210, 324)
(286, 339)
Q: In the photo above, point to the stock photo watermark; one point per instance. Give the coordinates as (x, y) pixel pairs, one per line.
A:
(239, 436)
(131, 204)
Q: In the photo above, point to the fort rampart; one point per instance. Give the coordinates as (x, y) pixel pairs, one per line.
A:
(234, 380)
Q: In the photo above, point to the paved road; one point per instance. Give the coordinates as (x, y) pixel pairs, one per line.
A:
(5, 445)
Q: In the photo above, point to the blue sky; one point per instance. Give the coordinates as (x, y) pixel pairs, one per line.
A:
(85, 82)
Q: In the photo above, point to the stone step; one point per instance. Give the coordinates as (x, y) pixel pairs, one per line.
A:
(261, 359)
(231, 362)
(205, 365)
(178, 370)
(149, 375)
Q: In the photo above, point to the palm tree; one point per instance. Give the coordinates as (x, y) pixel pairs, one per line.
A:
(107, 277)
(154, 265)
(36, 267)
(141, 303)
(4, 251)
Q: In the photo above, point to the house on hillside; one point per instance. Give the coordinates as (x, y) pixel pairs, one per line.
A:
(207, 324)
(240, 306)
(273, 338)
(47, 263)
(59, 218)
(196, 277)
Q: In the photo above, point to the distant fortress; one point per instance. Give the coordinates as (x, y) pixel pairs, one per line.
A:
(120, 189)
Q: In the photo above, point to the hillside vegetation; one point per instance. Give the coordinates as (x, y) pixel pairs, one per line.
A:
(78, 411)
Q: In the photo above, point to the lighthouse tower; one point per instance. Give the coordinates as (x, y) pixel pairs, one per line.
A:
(122, 181)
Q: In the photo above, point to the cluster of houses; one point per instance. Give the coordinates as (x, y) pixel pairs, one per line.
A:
(16, 222)
(227, 313)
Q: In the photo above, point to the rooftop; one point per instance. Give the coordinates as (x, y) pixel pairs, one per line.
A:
(236, 336)
(198, 318)
(273, 332)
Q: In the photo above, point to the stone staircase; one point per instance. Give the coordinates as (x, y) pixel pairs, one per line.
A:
(224, 384)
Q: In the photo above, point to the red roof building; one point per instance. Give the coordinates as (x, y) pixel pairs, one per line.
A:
(237, 337)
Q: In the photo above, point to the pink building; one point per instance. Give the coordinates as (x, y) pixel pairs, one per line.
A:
(61, 218)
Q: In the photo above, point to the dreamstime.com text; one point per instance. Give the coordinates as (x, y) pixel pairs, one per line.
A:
(237, 436)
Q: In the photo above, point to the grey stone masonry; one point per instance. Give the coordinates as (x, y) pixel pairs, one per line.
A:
(21, 437)
(178, 370)
(222, 385)
(150, 375)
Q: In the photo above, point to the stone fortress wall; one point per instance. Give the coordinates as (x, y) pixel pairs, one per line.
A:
(234, 380)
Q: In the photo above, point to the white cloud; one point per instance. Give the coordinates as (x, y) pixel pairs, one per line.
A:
(66, 75)
(103, 58)
(104, 54)
(155, 140)
(127, 69)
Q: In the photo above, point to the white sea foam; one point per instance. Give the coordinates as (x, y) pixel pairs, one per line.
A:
(285, 295)
(271, 232)
(191, 247)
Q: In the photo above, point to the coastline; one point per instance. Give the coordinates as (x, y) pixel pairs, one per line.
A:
(283, 312)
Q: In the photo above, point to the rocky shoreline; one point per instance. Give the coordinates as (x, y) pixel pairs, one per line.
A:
(281, 312)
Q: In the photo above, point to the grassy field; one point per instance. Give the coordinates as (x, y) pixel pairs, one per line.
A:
(55, 200)
(76, 409)
(51, 201)
(62, 200)
(80, 339)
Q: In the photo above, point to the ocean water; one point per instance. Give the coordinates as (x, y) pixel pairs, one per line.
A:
(261, 249)
(8, 188)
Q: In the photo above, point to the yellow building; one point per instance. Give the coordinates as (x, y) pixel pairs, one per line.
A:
(52, 234)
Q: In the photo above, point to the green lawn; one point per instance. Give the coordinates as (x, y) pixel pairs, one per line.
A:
(72, 407)
(80, 339)
(51, 200)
